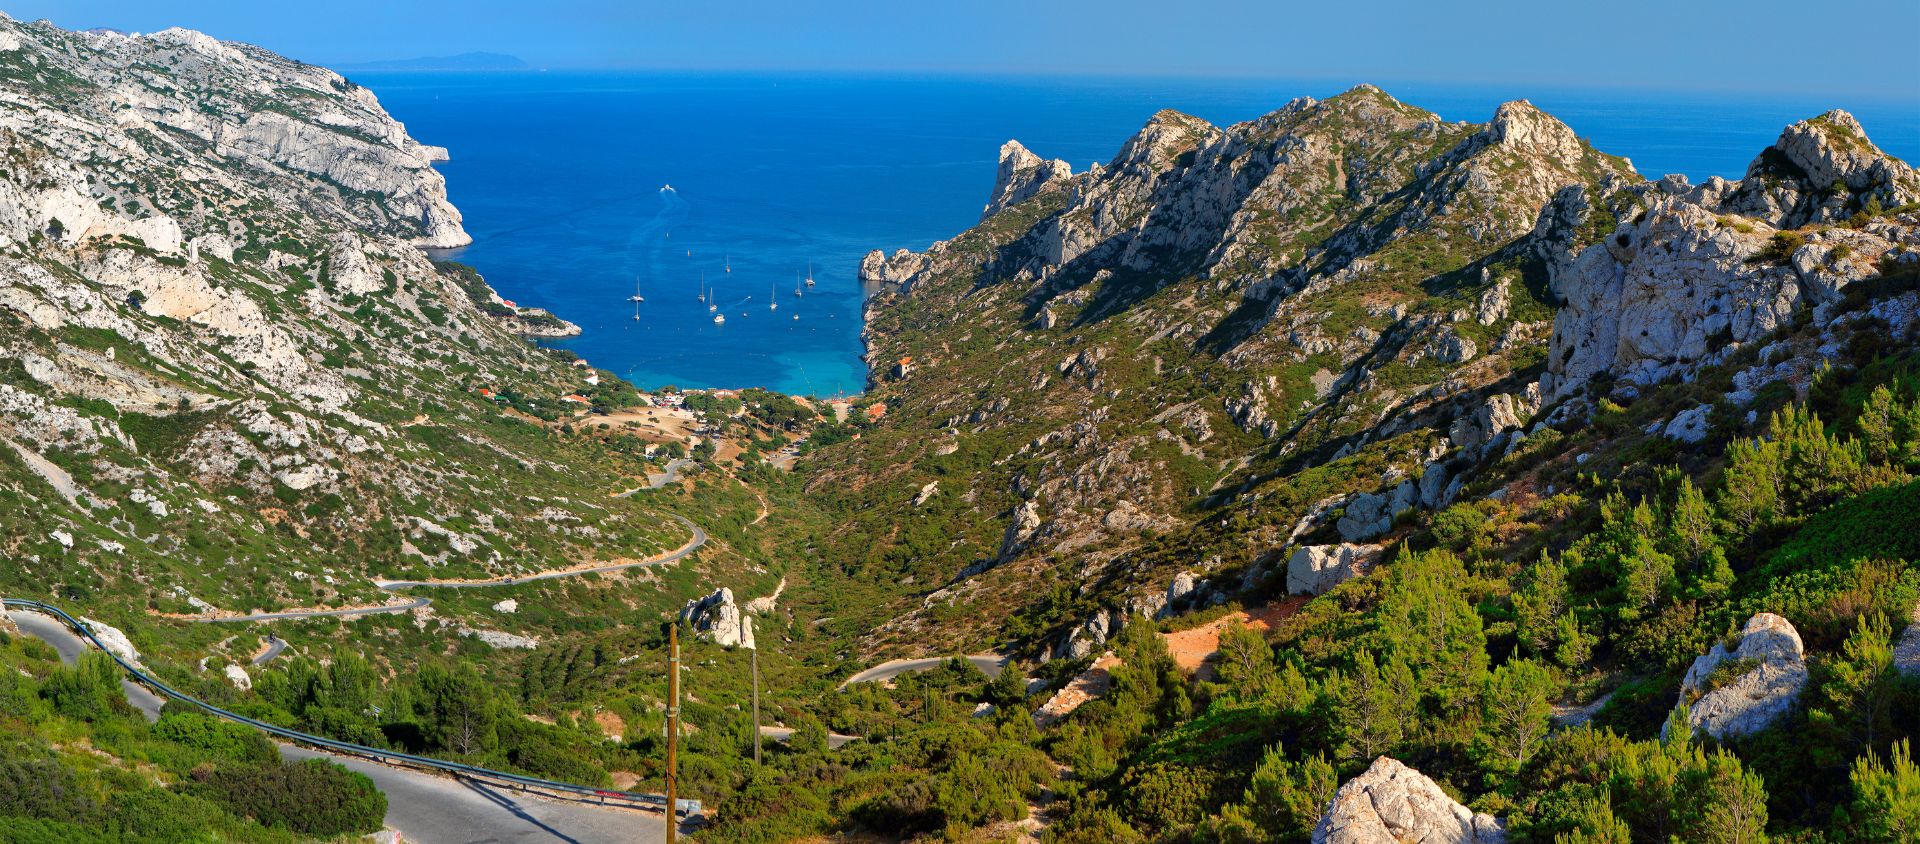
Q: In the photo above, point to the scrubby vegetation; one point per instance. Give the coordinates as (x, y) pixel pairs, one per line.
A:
(78, 766)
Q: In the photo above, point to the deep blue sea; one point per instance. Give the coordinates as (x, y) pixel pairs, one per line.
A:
(560, 177)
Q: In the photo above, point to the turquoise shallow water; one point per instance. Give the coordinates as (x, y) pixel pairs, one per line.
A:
(559, 176)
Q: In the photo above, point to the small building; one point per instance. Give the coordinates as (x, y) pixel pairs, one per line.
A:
(576, 399)
(509, 303)
(901, 369)
(877, 411)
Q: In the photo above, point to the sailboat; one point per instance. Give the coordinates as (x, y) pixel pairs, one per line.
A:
(719, 319)
(703, 286)
(636, 297)
(809, 273)
(727, 262)
(774, 291)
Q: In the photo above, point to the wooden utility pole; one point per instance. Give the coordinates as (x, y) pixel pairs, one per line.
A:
(756, 693)
(673, 731)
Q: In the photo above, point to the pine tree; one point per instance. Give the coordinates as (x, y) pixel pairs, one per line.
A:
(1886, 799)
(1861, 685)
(1539, 603)
(1515, 710)
(1372, 711)
(1690, 534)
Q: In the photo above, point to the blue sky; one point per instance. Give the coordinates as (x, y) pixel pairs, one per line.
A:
(1856, 46)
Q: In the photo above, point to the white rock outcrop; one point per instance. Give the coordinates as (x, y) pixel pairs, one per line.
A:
(1393, 804)
(1774, 675)
(238, 677)
(1690, 425)
(1022, 176)
(507, 606)
(1703, 269)
(501, 639)
(1314, 569)
(718, 618)
(898, 269)
(112, 639)
(1906, 651)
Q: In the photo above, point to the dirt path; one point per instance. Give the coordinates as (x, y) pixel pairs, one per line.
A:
(1574, 716)
(698, 539)
(1193, 647)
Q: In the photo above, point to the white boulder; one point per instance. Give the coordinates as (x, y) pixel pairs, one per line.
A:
(1393, 804)
(1314, 569)
(1774, 675)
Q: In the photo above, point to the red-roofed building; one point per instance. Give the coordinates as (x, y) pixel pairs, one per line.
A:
(576, 399)
(877, 410)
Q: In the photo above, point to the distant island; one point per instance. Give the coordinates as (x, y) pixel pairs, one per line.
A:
(463, 61)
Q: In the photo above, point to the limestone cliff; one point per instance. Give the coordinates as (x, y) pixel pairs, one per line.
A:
(1701, 270)
(229, 377)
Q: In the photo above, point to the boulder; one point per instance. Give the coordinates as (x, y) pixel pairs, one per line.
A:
(1499, 413)
(238, 677)
(1433, 485)
(1314, 569)
(1393, 804)
(1774, 675)
(718, 618)
(1181, 587)
(1690, 425)
(1906, 652)
(1026, 522)
(1368, 515)
(507, 606)
(112, 639)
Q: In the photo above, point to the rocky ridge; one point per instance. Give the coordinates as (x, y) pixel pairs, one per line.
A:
(1228, 344)
(218, 331)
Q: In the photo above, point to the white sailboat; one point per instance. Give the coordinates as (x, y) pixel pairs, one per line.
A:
(727, 262)
(636, 297)
(774, 291)
(809, 273)
(703, 286)
(719, 319)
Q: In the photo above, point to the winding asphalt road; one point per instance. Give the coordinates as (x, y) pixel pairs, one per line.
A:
(275, 645)
(425, 808)
(990, 664)
(785, 734)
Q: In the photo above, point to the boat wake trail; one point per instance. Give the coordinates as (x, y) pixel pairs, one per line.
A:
(650, 243)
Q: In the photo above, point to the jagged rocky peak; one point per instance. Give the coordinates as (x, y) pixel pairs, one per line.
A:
(1694, 272)
(1822, 169)
(1023, 175)
(1521, 124)
(1160, 144)
(225, 113)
